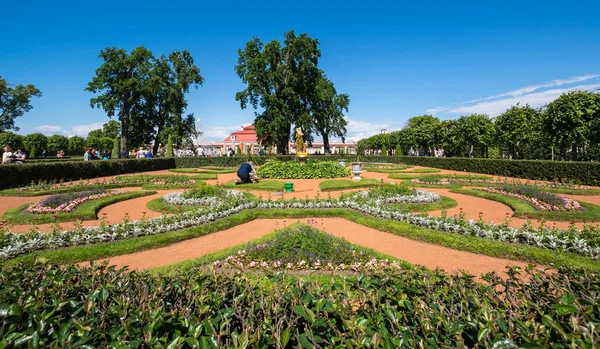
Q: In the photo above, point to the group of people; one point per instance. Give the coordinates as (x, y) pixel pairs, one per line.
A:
(438, 153)
(143, 153)
(17, 157)
(93, 154)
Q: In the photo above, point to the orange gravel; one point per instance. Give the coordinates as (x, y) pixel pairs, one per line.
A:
(415, 252)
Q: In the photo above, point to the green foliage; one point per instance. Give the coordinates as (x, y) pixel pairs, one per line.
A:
(342, 184)
(76, 145)
(304, 243)
(10, 139)
(205, 191)
(13, 176)
(35, 140)
(398, 150)
(562, 171)
(57, 143)
(114, 154)
(33, 153)
(518, 132)
(281, 79)
(386, 190)
(170, 152)
(206, 309)
(118, 85)
(270, 185)
(328, 112)
(14, 102)
(296, 170)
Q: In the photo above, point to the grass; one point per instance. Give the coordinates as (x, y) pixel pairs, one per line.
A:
(558, 259)
(451, 177)
(86, 211)
(522, 209)
(341, 184)
(443, 204)
(158, 205)
(422, 170)
(213, 170)
(266, 185)
(15, 192)
(384, 170)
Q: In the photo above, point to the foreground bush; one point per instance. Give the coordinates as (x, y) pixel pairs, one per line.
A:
(57, 306)
(296, 170)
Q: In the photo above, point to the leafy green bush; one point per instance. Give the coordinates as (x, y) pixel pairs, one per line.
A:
(69, 306)
(205, 191)
(296, 170)
(16, 175)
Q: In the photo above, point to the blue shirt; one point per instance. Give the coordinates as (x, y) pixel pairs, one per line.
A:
(245, 170)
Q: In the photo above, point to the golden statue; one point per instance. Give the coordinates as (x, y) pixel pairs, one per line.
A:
(300, 146)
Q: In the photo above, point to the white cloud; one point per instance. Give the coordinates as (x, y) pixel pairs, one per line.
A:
(49, 130)
(83, 130)
(534, 95)
(217, 133)
(358, 130)
(78, 130)
(529, 89)
(436, 110)
(535, 100)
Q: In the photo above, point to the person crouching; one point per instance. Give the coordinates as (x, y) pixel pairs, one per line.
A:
(246, 173)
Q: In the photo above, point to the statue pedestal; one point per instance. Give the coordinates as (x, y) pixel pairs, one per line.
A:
(301, 156)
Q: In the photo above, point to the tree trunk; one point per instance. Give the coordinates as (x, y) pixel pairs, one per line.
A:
(326, 149)
(125, 122)
(155, 147)
(574, 152)
(552, 153)
(282, 143)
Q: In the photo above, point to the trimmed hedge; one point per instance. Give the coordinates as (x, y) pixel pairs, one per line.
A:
(587, 173)
(15, 175)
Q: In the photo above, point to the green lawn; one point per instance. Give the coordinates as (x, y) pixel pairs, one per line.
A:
(522, 209)
(444, 204)
(266, 185)
(15, 192)
(341, 184)
(213, 170)
(561, 260)
(86, 211)
(422, 170)
(158, 205)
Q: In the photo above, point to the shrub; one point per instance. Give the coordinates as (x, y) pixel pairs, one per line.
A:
(67, 306)
(15, 175)
(296, 170)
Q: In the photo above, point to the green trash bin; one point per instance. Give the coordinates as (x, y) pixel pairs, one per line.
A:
(289, 187)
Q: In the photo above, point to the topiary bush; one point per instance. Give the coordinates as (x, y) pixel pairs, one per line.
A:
(296, 170)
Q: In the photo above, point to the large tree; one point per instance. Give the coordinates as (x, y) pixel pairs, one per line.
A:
(328, 108)
(37, 141)
(10, 139)
(279, 79)
(478, 132)
(570, 120)
(14, 102)
(170, 79)
(76, 145)
(56, 143)
(119, 81)
(517, 129)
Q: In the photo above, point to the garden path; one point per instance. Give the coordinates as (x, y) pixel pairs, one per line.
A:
(415, 252)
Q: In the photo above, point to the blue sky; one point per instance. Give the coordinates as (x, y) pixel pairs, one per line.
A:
(394, 59)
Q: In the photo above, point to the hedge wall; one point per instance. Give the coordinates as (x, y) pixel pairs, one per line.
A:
(15, 175)
(565, 171)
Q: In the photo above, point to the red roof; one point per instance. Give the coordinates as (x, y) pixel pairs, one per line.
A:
(246, 134)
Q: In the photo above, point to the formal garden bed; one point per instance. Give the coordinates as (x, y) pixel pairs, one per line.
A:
(528, 203)
(192, 199)
(207, 170)
(70, 206)
(313, 169)
(263, 185)
(144, 181)
(343, 184)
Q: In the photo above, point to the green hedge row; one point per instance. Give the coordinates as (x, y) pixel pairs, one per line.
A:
(15, 175)
(564, 171)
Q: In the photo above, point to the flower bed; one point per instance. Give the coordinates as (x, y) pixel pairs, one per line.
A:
(42, 186)
(296, 170)
(207, 195)
(541, 200)
(396, 194)
(69, 201)
(584, 242)
(303, 247)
